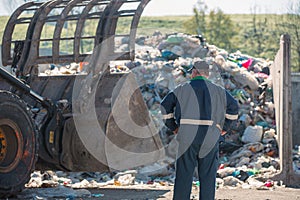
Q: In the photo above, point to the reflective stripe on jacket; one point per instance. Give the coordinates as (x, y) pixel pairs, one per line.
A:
(200, 100)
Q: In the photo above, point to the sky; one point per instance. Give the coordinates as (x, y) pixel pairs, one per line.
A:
(8, 6)
(185, 7)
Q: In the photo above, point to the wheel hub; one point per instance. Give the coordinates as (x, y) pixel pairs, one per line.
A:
(2, 145)
(11, 145)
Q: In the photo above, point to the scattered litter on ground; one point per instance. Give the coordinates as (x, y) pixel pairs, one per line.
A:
(248, 152)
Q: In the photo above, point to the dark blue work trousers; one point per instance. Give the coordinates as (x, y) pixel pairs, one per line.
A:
(207, 169)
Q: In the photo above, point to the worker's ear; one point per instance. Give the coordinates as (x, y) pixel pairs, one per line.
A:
(197, 71)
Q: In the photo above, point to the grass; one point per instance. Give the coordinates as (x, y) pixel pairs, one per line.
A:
(148, 25)
(166, 24)
(3, 21)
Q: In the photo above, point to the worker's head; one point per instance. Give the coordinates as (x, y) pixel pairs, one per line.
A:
(200, 68)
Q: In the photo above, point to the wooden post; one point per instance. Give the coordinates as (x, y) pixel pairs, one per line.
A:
(282, 88)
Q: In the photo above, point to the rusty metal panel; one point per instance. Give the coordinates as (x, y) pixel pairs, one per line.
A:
(132, 138)
(281, 72)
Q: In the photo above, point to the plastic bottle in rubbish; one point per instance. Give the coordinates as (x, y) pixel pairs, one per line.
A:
(269, 184)
(248, 63)
(252, 172)
(235, 173)
(97, 195)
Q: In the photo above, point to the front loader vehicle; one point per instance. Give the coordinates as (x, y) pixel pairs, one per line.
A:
(92, 120)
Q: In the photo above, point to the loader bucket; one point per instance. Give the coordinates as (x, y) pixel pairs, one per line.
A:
(120, 121)
(106, 123)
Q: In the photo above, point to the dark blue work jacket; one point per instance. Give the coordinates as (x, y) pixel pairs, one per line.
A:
(199, 108)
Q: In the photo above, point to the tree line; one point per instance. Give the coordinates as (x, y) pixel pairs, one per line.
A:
(258, 37)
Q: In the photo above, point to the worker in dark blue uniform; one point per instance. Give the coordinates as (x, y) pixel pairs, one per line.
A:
(198, 111)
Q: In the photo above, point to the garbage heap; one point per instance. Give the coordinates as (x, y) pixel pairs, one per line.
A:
(249, 151)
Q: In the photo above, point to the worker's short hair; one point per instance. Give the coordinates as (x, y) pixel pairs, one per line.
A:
(200, 65)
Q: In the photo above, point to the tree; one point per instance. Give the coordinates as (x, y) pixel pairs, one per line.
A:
(199, 11)
(290, 23)
(197, 24)
(216, 27)
(258, 37)
(220, 30)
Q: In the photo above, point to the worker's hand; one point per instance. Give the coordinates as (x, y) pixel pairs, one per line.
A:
(223, 132)
(175, 132)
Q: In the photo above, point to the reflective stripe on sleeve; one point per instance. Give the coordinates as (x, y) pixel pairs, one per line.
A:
(196, 122)
(231, 117)
(168, 116)
(219, 127)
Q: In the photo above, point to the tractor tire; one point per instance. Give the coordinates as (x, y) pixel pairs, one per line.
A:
(18, 144)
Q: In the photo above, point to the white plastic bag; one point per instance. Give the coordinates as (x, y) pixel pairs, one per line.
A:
(252, 134)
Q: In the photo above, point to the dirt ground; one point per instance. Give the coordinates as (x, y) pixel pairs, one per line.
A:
(152, 192)
(147, 192)
(165, 193)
